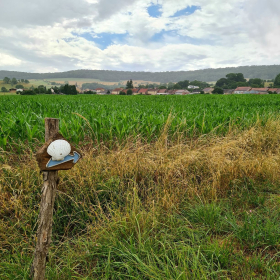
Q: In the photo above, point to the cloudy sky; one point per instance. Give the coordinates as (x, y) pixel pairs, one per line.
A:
(137, 35)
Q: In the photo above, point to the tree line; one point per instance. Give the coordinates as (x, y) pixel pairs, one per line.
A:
(263, 72)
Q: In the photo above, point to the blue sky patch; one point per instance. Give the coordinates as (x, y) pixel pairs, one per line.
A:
(104, 40)
(154, 11)
(187, 11)
(172, 37)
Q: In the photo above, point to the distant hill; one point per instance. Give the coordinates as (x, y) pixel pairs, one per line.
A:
(263, 72)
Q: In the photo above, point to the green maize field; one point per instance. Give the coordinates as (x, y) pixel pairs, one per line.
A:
(112, 119)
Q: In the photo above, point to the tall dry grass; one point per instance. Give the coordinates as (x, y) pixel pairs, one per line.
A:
(132, 191)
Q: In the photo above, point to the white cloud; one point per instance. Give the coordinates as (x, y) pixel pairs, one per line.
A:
(40, 34)
(8, 60)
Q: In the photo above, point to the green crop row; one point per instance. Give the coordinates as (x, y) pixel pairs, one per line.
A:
(114, 118)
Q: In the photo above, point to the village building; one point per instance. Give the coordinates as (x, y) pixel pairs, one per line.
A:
(152, 91)
(182, 92)
(192, 87)
(117, 91)
(277, 90)
(259, 90)
(171, 91)
(12, 90)
(241, 90)
(228, 91)
(208, 90)
(143, 91)
(97, 90)
(195, 91)
(162, 92)
(135, 91)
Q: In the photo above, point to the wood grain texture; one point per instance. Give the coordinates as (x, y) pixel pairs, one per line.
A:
(44, 232)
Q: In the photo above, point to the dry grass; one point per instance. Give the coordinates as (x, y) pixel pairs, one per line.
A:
(109, 190)
(204, 167)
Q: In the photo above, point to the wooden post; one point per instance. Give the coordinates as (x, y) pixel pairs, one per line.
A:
(45, 219)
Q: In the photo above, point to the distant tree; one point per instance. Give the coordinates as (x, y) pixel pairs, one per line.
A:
(129, 84)
(22, 80)
(26, 81)
(241, 84)
(256, 83)
(108, 91)
(162, 87)
(199, 84)
(237, 77)
(150, 86)
(272, 92)
(6, 80)
(202, 92)
(176, 86)
(14, 81)
(277, 81)
(89, 92)
(170, 85)
(42, 89)
(3, 89)
(19, 86)
(122, 93)
(218, 90)
(183, 84)
(68, 89)
(129, 92)
(223, 83)
(49, 91)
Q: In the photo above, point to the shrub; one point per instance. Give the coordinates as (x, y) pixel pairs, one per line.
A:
(89, 92)
(28, 92)
(218, 90)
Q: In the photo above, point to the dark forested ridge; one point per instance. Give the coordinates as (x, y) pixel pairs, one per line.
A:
(263, 72)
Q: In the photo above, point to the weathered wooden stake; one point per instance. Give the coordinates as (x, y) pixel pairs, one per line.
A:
(45, 219)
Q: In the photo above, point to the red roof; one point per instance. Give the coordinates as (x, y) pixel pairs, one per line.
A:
(99, 88)
(171, 91)
(260, 89)
(118, 89)
(243, 89)
(143, 90)
(135, 90)
(274, 89)
(162, 90)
